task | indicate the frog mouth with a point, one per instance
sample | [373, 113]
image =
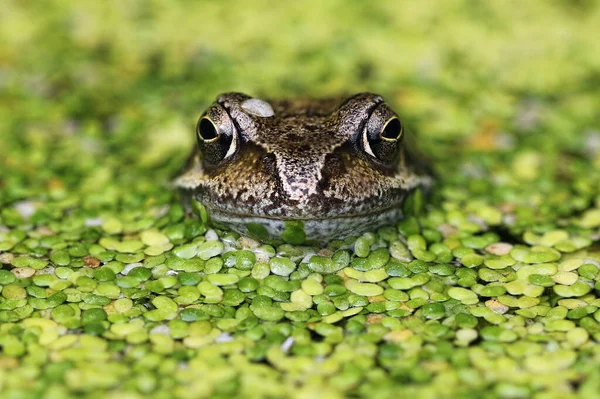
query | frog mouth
[318, 220]
[309, 212]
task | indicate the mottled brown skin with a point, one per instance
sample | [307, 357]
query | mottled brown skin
[338, 166]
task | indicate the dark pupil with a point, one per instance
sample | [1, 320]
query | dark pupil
[207, 130]
[392, 129]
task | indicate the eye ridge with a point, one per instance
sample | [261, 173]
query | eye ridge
[392, 130]
[207, 130]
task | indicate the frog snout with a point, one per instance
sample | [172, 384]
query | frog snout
[299, 178]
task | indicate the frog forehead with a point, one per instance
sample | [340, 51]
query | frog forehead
[297, 135]
[331, 120]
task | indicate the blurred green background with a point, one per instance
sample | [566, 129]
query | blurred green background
[151, 66]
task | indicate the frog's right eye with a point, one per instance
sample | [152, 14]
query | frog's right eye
[382, 135]
[216, 135]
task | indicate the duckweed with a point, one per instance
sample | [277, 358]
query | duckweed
[282, 266]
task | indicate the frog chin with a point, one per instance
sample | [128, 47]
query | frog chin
[316, 228]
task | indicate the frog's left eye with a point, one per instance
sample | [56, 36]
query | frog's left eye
[216, 135]
[382, 136]
[392, 130]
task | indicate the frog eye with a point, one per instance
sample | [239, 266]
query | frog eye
[392, 130]
[216, 136]
[207, 131]
[382, 136]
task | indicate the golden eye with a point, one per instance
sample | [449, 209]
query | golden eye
[392, 130]
[207, 131]
[382, 134]
[216, 135]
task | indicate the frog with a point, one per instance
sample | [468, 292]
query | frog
[328, 168]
